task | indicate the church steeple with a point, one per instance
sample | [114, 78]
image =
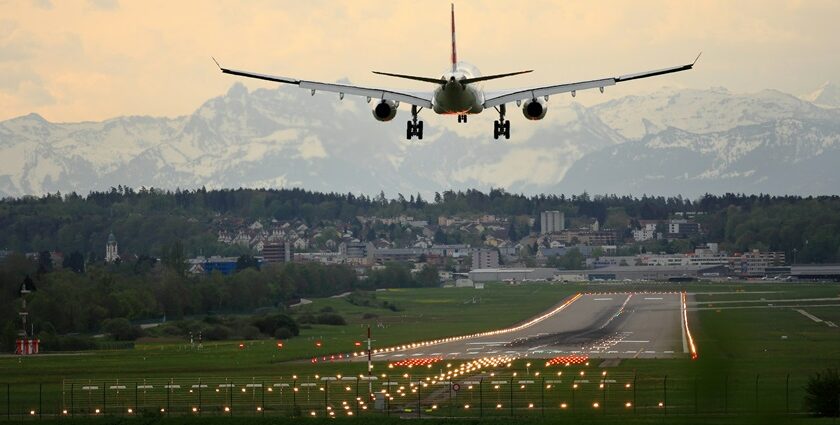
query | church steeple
[111, 249]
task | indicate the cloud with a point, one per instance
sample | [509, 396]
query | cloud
[151, 57]
[43, 4]
[104, 4]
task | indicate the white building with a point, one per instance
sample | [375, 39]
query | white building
[552, 221]
[646, 233]
[111, 250]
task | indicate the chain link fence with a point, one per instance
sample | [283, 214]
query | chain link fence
[499, 394]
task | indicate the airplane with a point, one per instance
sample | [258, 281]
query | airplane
[458, 92]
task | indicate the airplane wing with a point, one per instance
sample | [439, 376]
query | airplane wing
[536, 92]
[341, 89]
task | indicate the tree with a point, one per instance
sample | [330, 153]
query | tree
[7, 338]
[823, 393]
[440, 237]
[428, 277]
[75, 261]
[247, 261]
[174, 258]
[121, 329]
[45, 263]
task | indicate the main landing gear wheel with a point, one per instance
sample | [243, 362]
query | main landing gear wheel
[502, 126]
[414, 127]
[462, 118]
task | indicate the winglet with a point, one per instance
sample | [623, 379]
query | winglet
[696, 59]
[217, 63]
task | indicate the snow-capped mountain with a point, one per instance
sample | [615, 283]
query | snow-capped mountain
[795, 156]
[828, 95]
[669, 141]
[285, 137]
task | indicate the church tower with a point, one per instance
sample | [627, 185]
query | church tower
[111, 252]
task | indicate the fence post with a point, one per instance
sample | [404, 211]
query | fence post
[72, 400]
[357, 396]
[665, 395]
[168, 395]
[294, 398]
[787, 393]
[104, 401]
[450, 396]
[604, 395]
[726, 394]
[262, 407]
[511, 396]
[634, 393]
[200, 404]
[419, 386]
[756, 392]
[480, 398]
[230, 397]
[8, 402]
[40, 400]
[542, 397]
[695, 394]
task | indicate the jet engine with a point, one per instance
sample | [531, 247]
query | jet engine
[534, 109]
[385, 110]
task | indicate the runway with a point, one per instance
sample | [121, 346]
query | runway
[617, 325]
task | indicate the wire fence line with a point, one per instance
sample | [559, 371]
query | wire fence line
[401, 393]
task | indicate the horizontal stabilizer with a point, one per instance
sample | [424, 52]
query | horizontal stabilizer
[413, 77]
[493, 77]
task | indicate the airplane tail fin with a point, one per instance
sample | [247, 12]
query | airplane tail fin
[454, 52]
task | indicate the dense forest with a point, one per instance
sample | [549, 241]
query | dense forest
[104, 296]
[149, 220]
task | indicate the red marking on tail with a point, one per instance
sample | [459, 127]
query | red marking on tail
[454, 53]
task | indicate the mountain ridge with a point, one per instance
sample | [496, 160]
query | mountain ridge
[284, 137]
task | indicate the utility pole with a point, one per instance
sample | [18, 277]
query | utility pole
[370, 364]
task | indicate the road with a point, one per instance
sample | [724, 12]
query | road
[617, 325]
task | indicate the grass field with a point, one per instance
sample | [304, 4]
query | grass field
[752, 360]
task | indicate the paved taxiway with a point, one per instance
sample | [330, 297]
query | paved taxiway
[638, 325]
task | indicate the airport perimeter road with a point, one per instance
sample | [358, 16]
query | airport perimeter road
[638, 325]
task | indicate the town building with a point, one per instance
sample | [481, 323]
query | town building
[277, 252]
[682, 228]
[552, 222]
[485, 259]
[224, 265]
[588, 237]
[658, 273]
[512, 275]
[817, 272]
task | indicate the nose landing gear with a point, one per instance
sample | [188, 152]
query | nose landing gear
[414, 127]
[502, 126]
[462, 118]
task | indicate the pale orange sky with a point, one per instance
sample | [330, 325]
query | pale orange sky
[76, 60]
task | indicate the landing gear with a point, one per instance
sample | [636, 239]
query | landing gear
[502, 126]
[462, 118]
[414, 127]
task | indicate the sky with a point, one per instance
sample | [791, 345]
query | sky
[89, 60]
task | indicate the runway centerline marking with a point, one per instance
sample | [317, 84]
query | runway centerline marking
[602, 299]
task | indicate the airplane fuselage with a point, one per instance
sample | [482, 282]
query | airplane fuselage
[458, 92]
[454, 98]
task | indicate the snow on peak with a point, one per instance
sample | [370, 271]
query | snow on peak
[827, 95]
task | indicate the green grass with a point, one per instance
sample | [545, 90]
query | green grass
[736, 346]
